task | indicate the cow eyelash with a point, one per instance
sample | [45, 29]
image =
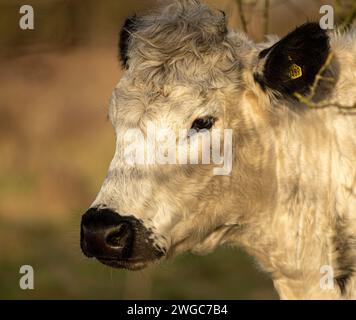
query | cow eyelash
[203, 124]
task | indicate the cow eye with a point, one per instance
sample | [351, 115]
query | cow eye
[203, 123]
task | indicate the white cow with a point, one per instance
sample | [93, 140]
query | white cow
[290, 199]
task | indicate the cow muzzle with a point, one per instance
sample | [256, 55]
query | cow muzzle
[117, 241]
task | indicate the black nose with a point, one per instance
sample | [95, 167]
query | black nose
[105, 234]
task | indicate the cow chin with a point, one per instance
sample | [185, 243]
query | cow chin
[126, 264]
[134, 263]
[142, 254]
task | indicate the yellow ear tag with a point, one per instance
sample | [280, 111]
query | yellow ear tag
[295, 71]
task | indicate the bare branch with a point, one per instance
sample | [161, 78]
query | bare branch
[323, 104]
[266, 16]
[350, 18]
[308, 100]
[242, 15]
[320, 77]
[345, 14]
[338, 7]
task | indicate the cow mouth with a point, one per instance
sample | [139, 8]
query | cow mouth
[130, 264]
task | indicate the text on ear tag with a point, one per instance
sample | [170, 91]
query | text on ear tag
[295, 71]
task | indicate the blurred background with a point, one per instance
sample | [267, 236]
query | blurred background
[56, 144]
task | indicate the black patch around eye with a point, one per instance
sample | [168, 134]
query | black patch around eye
[203, 123]
[130, 26]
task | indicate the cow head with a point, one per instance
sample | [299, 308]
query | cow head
[188, 80]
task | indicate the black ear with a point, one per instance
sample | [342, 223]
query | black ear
[129, 27]
[290, 66]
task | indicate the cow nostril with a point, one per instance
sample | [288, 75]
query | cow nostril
[118, 236]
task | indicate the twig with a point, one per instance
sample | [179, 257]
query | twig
[350, 18]
[308, 100]
[242, 15]
[320, 77]
[346, 16]
[323, 104]
[338, 7]
[266, 16]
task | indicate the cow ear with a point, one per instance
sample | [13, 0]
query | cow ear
[129, 27]
[291, 65]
